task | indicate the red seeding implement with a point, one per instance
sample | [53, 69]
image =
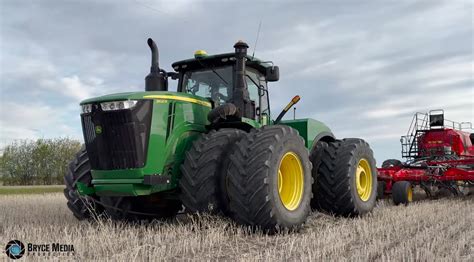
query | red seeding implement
[439, 157]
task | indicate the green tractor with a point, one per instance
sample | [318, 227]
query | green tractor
[212, 147]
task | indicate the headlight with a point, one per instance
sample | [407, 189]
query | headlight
[118, 105]
[86, 108]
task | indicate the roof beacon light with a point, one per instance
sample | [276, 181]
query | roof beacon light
[200, 54]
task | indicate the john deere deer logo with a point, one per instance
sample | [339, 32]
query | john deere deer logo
[98, 130]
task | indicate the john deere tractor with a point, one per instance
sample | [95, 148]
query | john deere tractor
[212, 147]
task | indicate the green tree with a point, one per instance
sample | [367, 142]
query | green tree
[40, 162]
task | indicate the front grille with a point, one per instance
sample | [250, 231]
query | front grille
[117, 139]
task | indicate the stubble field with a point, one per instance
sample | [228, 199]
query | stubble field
[427, 230]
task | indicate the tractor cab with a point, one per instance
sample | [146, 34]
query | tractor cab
[215, 77]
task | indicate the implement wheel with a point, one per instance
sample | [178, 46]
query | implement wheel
[79, 170]
[203, 187]
[269, 179]
[391, 163]
[402, 193]
[381, 189]
[346, 184]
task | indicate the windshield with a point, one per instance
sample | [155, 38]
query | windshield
[215, 83]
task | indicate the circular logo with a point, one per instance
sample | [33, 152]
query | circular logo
[15, 249]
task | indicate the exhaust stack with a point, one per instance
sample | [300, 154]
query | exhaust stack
[241, 98]
[156, 79]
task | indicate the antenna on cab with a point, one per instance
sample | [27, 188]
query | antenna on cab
[256, 39]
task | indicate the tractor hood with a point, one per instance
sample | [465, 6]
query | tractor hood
[161, 95]
[138, 150]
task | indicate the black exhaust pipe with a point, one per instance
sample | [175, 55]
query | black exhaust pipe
[240, 96]
[156, 79]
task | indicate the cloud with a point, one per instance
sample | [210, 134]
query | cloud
[33, 120]
[47, 78]
[72, 86]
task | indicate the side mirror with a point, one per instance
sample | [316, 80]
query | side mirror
[272, 74]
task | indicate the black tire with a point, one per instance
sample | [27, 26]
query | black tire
[79, 170]
[336, 190]
[402, 193]
[463, 188]
[134, 208]
[315, 157]
[391, 163]
[203, 186]
[381, 189]
[253, 179]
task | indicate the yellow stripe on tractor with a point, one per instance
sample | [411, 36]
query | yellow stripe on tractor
[180, 98]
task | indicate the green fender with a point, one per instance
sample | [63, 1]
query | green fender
[311, 130]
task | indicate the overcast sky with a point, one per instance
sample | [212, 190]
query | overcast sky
[363, 67]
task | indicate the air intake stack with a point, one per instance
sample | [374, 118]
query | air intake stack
[156, 79]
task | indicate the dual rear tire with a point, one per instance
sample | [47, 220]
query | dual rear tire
[270, 179]
[260, 179]
[346, 178]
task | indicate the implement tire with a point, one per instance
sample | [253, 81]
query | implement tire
[391, 163]
[347, 179]
[270, 180]
[402, 193]
[79, 170]
[203, 187]
[381, 189]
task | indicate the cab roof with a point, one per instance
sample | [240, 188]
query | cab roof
[217, 61]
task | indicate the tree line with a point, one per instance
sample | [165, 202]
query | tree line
[40, 162]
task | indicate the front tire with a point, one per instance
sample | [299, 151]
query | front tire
[203, 187]
[79, 170]
[270, 179]
[347, 179]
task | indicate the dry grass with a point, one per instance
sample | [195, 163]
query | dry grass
[433, 230]
[9, 190]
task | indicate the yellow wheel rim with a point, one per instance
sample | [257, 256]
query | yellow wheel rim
[410, 194]
[364, 180]
[290, 181]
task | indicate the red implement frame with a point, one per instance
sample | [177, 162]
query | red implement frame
[436, 154]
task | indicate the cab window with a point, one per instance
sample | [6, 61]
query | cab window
[215, 85]
[256, 85]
